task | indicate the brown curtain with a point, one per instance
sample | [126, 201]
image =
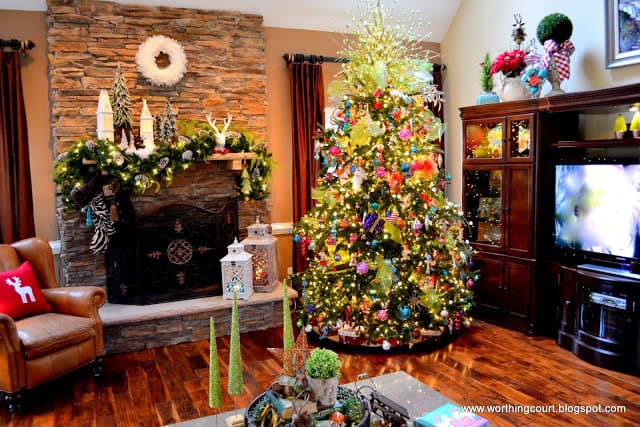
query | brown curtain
[307, 106]
[16, 204]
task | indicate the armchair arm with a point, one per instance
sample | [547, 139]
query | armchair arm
[82, 301]
[12, 367]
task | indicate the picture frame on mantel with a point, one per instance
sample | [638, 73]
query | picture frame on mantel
[622, 32]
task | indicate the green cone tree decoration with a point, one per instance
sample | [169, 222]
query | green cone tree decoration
[235, 358]
[287, 326]
[215, 387]
[121, 102]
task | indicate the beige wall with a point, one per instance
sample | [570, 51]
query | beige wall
[482, 25]
[32, 26]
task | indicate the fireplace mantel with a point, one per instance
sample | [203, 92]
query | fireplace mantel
[233, 161]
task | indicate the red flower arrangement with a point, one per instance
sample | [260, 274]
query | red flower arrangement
[509, 63]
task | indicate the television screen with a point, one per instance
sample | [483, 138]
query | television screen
[597, 208]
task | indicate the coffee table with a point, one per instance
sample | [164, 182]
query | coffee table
[398, 386]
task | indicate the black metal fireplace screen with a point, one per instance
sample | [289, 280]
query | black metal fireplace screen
[173, 254]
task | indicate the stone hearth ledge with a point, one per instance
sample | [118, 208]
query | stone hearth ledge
[136, 327]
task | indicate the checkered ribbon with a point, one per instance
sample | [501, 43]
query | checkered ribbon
[560, 53]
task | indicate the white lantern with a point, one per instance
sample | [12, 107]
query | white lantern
[262, 246]
[236, 272]
[146, 124]
[104, 117]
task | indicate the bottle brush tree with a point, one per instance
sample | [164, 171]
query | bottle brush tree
[486, 82]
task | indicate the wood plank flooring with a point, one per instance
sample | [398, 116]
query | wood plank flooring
[488, 365]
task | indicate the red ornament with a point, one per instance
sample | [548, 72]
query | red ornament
[377, 105]
[337, 417]
[395, 182]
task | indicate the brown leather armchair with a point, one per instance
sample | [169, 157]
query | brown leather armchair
[42, 347]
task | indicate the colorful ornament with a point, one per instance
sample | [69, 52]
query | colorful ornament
[403, 312]
[362, 268]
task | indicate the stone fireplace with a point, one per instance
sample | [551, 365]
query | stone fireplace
[206, 189]
[87, 40]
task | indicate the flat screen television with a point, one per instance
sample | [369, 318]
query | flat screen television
[597, 212]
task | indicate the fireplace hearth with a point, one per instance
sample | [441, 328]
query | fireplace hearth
[171, 254]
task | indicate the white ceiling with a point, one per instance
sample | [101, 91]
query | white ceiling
[319, 15]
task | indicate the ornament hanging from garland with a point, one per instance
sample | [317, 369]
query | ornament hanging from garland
[147, 57]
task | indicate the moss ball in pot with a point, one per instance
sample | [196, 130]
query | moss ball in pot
[556, 26]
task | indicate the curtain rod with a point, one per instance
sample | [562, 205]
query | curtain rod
[313, 59]
[16, 44]
[319, 59]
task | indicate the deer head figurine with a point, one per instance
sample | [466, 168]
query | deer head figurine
[220, 135]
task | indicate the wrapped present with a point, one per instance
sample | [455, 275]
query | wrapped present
[450, 415]
[349, 335]
[373, 223]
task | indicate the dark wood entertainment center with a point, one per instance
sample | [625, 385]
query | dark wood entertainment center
[508, 185]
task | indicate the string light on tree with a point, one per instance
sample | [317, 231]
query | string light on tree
[384, 245]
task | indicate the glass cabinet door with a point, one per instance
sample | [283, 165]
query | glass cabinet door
[484, 139]
[483, 201]
[520, 135]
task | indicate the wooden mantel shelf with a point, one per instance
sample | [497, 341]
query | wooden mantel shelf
[566, 102]
[234, 160]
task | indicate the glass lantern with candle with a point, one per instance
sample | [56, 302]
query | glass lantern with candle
[262, 246]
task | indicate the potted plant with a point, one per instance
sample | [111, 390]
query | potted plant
[619, 126]
[323, 369]
[635, 125]
[488, 96]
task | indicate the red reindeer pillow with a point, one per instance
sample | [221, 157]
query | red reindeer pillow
[20, 295]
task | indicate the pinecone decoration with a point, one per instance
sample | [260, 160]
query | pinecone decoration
[518, 34]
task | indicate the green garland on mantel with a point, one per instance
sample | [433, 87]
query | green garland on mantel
[87, 158]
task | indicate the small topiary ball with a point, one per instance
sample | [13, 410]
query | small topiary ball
[556, 26]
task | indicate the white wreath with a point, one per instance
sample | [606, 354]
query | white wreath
[148, 53]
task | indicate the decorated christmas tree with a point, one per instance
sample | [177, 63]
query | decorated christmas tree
[388, 264]
[121, 102]
[157, 127]
[168, 130]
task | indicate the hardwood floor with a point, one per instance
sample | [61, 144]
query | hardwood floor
[488, 365]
